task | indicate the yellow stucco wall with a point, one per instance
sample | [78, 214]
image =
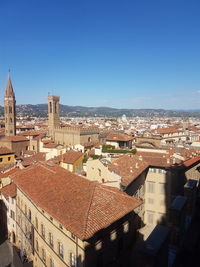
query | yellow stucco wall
[7, 159]
[75, 167]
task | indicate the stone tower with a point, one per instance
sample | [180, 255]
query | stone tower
[53, 113]
[9, 109]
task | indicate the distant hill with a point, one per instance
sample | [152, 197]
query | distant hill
[40, 110]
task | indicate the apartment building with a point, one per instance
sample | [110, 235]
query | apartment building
[66, 220]
[8, 197]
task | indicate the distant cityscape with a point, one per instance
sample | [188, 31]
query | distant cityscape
[97, 190]
[40, 110]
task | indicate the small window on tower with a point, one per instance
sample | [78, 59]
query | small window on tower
[10, 109]
[55, 108]
[50, 107]
[10, 119]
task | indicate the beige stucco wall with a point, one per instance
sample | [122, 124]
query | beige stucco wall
[96, 171]
[156, 202]
[60, 234]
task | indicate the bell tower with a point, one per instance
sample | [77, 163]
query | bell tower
[9, 109]
[53, 113]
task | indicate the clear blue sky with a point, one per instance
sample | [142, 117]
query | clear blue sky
[125, 54]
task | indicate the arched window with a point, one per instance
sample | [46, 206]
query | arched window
[55, 107]
[50, 107]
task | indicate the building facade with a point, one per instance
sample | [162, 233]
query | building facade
[67, 135]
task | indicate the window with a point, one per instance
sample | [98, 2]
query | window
[73, 236]
[18, 201]
[43, 230]
[25, 210]
[51, 239]
[12, 214]
[55, 107]
[72, 260]
[36, 222]
[10, 109]
[150, 187]
[60, 249]
[1, 159]
[26, 147]
[29, 214]
[99, 172]
[51, 263]
[10, 119]
[9, 158]
[161, 188]
[19, 220]
[50, 107]
[150, 217]
[43, 255]
[36, 245]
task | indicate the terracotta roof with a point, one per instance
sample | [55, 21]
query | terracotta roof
[50, 145]
[70, 156]
[30, 133]
[9, 190]
[8, 172]
[89, 144]
[129, 167]
[156, 159]
[25, 126]
[16, 138]
[27, 161]
[46, 141]
[118, 137]
[191, 161]
[82, 206]
[169, 130]
[5, 150]
[38, 137]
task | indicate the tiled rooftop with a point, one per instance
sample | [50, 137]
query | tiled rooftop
[83, 207]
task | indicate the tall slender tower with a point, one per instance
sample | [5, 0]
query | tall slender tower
[9, 109]
[53, 113]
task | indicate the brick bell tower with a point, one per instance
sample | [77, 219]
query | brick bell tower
[9, 109]
[53, 114]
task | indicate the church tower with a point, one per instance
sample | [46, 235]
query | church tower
[53, 113]
[9, 109]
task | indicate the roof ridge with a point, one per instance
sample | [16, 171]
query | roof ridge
[87, 212]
